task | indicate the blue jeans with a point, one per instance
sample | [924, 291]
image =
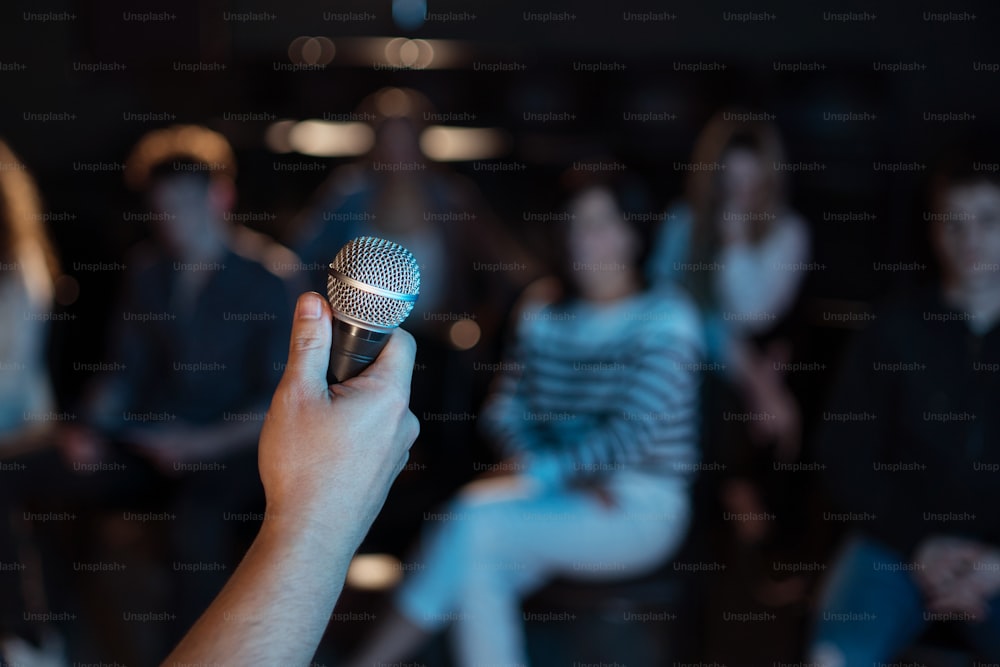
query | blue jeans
[504, 537]
[872, 610]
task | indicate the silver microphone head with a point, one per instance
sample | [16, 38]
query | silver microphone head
[373, 283]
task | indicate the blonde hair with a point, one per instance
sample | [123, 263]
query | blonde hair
[23, 238]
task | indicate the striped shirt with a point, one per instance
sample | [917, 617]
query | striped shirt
[592, 389]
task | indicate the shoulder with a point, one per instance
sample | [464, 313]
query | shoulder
[668, 312]
[261, 257]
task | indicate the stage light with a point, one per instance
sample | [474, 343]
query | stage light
[374, 572]
[464, 334]
[409, 14]
[331, 139]
[452, 144]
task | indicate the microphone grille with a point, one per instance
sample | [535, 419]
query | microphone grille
[373, 282]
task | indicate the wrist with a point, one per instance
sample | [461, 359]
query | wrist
[324, 530]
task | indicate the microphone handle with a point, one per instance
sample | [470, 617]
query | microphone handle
[354, 349]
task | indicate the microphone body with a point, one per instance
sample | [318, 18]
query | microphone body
[354, 350]
[372, 285]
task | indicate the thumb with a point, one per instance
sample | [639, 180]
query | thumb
[309, 351]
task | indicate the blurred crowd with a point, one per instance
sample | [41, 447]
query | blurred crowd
[625, 398]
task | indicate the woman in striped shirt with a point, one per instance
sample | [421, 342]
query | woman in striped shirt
[596, 414]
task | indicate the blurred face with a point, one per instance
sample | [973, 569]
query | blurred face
[744, 178]
[968, 240]
[190, 214]
[602, 247]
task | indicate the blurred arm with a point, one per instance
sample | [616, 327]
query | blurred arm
[24, 385]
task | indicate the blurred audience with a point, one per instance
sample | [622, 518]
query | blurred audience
[471, 272]
[596, 414]
[737, 244]
[28, 269]
[910, 440]
[169, 430]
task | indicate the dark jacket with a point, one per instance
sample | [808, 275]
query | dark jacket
[911, 439]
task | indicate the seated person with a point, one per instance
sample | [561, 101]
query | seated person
[598, 417]
[198, 345]
[912, 445]
[26, 398]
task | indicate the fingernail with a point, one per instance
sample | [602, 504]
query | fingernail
[309, 307]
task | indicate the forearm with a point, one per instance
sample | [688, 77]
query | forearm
[278, 602]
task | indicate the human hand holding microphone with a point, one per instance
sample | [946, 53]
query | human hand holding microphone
[328, 455]
[324, 441]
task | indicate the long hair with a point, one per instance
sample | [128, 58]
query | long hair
[22, 229]
[728, 130]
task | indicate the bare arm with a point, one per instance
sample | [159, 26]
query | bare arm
[328, 455]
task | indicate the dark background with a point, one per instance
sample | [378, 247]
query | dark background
[86, 208]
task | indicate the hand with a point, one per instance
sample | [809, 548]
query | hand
[942, 560]
[767, 394]
[970, 592]
[984, 576]
[960, 598]
[329, 453]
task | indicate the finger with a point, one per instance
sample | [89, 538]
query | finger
[309, 351]
[394, 365]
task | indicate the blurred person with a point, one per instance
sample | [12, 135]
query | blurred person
[198, 373]
[471, 272]
[912, 447]
[742, 250]
[328, 454]
[28, 269]
[596, 415]
[195, 355]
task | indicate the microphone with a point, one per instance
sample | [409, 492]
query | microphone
[372, 285]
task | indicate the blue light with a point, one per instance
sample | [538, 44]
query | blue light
[409, 14]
